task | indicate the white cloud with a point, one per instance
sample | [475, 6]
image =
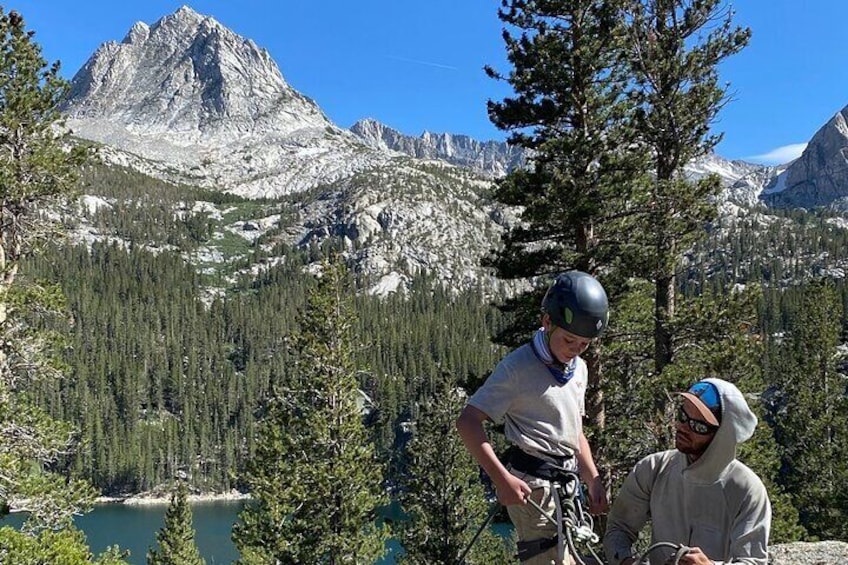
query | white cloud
[780, 155]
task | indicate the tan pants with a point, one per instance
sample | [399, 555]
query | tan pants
[531, 525]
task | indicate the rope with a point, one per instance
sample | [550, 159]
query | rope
[541, 510]
[680, 551]
[570, 527]
[492, 511]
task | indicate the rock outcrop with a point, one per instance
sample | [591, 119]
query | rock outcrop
[807, 553]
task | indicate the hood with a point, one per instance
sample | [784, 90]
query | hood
[738, 423]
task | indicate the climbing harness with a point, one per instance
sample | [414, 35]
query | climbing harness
[572, 522]
[574, 525]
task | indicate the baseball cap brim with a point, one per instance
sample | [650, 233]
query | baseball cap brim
[705, 413]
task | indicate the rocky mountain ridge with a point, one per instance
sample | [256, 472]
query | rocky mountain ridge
[213, 108]
[743, 181]
[188, 101]
[492, 159]
[819, 177]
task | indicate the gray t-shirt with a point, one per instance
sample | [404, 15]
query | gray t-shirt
[539, 415]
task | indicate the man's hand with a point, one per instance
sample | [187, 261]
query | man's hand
[695, 557]
[511, 490]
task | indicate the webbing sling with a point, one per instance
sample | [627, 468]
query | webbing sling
[532, 548]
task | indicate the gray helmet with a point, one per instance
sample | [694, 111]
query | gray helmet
[577, 303]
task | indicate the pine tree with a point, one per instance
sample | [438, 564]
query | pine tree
[441, 491]
[36, 170]
[60, 547]
[570, 110]
[675, 47]
[583, 191]
[175, 541]
[808, 407]
[315, 481]
[35, 167]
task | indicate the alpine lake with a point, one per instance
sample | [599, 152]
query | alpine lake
[133, 528]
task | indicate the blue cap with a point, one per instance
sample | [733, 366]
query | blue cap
[705, 398]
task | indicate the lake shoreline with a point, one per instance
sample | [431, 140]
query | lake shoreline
[153, 499]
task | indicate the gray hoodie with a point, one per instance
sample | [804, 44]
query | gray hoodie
[716, 503]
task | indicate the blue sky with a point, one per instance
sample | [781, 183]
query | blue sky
[417, 66]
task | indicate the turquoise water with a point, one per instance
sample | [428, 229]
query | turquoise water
[134, 527]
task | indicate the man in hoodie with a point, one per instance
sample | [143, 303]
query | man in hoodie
[698, 497]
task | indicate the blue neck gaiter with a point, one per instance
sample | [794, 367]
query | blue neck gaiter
[561, 373]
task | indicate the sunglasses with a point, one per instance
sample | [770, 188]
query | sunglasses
[698, 426]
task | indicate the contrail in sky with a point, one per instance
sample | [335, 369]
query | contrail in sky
[425, 63]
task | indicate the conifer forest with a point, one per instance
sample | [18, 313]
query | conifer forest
[130, 363]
